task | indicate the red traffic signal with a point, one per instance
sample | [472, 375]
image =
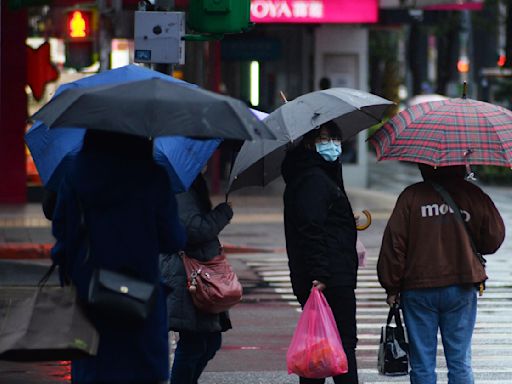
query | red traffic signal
[79, 24]
[502, 59]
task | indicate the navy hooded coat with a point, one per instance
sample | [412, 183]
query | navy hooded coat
[131, 216]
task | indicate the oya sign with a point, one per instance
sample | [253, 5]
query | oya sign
[314, 11]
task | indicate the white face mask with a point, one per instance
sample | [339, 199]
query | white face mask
[329, 151]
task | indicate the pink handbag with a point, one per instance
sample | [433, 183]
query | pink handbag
[213, 285]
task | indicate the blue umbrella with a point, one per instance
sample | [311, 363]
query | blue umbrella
[52, 149]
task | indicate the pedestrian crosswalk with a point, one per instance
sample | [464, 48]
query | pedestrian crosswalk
[492, 340]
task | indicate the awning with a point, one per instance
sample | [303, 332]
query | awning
[475, 5]
[434, 5]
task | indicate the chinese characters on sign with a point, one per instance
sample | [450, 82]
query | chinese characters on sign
[281, 9]
[314, 11]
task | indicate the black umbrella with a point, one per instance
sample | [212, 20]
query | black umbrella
[152, 108]
[259, 163]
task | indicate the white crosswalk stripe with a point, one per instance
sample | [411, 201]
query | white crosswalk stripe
[492, 340]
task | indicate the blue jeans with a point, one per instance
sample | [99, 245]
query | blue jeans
[450, 309]
[193, 352]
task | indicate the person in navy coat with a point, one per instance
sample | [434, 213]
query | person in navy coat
[130, 217]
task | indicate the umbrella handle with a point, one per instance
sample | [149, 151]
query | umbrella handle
[227, 196]
[368, 221]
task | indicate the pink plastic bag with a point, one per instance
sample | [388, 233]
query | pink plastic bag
[361, 253]
[315, 350]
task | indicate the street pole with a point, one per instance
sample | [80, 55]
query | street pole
[466, 50]
[105, 35]
[13, 104]
[215, 76]
[508, 33]
[164, 6]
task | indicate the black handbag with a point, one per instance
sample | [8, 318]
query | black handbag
[114, 295]
[119, 296]
[393, 358]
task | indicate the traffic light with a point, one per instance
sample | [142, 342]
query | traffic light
[79, 24]
[502, 59]
[79, 39]
[219, 16]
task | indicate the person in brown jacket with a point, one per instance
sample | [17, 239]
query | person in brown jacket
[427, 264]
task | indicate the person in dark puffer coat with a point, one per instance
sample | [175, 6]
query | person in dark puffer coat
[321, 234]
[199, 333]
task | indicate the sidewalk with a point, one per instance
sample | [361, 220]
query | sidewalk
[26, 234]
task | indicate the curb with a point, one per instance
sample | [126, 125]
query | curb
[17, 251]
[232, 248]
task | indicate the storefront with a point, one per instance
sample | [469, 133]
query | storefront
[295, 46]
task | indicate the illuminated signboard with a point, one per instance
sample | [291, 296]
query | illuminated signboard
[314, 11]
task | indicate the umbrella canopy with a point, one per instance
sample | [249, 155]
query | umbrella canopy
[153, 107]
[52, 149]
[352, 110]
[451, 132]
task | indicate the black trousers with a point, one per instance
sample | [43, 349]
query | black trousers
[342, 301]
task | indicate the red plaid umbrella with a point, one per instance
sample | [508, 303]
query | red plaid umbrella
[449, 132]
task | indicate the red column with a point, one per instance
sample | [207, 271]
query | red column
[13, 104]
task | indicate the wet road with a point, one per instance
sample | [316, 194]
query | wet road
[254, 351]
[261, 347]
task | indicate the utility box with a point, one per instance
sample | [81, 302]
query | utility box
[219, 16]
[158, 37]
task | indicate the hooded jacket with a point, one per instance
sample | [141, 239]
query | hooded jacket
[131, 216]
[319, 223]
[424, 244]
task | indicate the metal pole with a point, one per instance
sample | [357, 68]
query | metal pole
[215, 80]
[164, 6]
[105, 35]
[466, 48]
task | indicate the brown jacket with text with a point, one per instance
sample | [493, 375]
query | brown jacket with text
[426, 246]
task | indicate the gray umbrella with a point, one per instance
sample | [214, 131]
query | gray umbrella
[151, 108]
[259, 163]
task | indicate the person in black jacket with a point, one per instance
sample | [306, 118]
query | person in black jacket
[321, 234]
[199, 333]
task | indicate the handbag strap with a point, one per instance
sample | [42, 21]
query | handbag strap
[84, 228]
[394, 312]
[456, 211]
[46, 276]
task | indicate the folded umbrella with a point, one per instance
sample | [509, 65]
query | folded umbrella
[258, 163]
[457, 131]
